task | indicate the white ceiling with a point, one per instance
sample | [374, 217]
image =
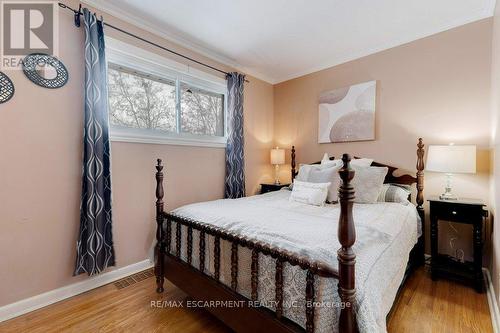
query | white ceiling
[276, 40]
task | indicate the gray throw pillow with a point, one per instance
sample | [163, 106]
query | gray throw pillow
[395, 193]
[368, 183]
[320, 174]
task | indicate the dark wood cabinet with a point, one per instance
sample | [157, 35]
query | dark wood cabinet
[264, 188]
[468, 211]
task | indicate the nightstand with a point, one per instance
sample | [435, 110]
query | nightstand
[264, 188]
[468, 211]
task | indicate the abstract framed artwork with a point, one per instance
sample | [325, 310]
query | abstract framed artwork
[347, 114]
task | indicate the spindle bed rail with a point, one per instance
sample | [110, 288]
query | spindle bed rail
[240, 316]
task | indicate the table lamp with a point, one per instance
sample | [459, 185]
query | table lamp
[451, 159]
[277, 158]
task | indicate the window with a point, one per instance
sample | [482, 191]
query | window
[140, 101]
[151, 102]
[202, 112]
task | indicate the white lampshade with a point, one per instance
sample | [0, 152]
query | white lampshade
[277, 156]
[452, 159]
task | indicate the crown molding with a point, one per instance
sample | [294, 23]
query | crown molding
[161, 32]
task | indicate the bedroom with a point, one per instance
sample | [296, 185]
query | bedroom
[431, 71]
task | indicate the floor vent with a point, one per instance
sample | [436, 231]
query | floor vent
[132, 279]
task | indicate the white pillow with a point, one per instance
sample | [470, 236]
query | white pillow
[364, 162]
[305, 170]
[317, 174]
[327, 162]
[303, 173]
[368, 183]
[309, 193]
[395, 193]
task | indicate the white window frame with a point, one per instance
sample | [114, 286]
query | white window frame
[134, 58]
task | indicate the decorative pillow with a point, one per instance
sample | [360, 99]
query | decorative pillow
[363, 162]
[327, 162]
[309, 193]
[395, 193]
[303, 173]
[368, 183]
[304, 170]
[317, 174]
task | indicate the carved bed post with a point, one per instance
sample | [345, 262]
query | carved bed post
[420, 177]
[420, 198]
[293, 163]
[160, 239]
[347, 259]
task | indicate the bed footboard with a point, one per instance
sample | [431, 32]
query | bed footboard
[181, 272]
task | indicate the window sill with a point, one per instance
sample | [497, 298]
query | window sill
[184, 140]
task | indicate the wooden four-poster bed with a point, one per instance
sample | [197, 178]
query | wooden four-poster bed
[189, 271]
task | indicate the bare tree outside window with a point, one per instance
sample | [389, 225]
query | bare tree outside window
[202, 112]
[140, 102]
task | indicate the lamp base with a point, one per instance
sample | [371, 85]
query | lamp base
[448, 196]
[276, 174]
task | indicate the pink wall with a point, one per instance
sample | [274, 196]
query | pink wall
[437, 88]
[495, 128]
[40, 170]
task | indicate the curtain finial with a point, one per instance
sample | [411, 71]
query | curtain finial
[77, 16]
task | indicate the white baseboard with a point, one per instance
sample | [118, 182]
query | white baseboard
[492, 301]
[39, 301]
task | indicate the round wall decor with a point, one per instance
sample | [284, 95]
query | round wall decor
[6, 88]
[45, 70]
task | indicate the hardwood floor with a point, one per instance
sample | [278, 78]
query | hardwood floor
[439, 306]
[424, 306]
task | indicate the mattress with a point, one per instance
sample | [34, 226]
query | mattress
[386, 233]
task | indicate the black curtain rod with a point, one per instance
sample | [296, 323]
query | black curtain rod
[79, 12]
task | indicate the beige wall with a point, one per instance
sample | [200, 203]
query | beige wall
[495, 128]
[436, 88]
[40, 170]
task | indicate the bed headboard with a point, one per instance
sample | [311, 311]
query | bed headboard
[391, 177]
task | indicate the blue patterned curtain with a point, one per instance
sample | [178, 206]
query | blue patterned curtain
[95, 249]
[235, 162]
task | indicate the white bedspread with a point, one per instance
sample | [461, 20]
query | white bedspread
[385, 234]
